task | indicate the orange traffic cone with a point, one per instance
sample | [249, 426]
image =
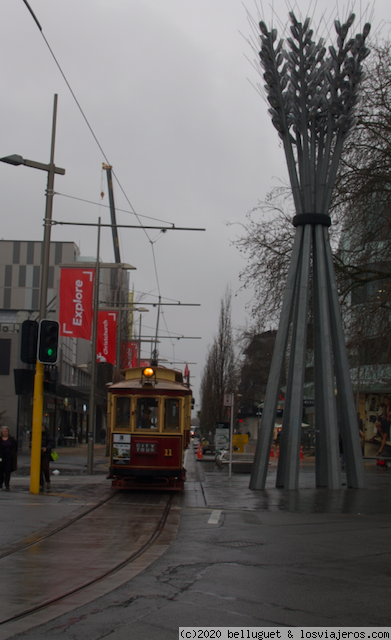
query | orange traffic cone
[199, 451]
[301, 452]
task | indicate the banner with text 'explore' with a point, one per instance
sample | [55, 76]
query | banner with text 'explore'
[76, 293]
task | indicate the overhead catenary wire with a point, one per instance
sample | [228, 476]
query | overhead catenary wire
[106, 206]
[133, 211]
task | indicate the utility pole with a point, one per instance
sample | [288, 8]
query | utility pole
[91, 425]
[36, 440]
[51, 169]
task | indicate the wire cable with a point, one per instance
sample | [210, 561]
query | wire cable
[133, 211]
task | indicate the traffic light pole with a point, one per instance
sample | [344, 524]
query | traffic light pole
[36, 441]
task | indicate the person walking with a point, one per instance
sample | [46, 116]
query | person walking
[8, 452]
[47, 447]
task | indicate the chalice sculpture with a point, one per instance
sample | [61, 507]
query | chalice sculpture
[312, 95]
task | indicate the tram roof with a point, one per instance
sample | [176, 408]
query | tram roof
[158, 385]
[163, 379]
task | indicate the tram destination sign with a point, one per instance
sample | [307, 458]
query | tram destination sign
[146, 447]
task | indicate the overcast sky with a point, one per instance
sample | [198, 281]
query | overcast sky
[166, 86]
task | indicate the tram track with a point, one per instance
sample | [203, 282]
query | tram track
[142, 546]
[21, 546]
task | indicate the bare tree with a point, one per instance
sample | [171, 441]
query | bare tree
[219, 374]
[267, 245]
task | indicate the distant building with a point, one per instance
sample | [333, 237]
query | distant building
[368, 326]
[66, 399]
[253, 381]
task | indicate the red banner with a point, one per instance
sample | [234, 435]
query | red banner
[76, 292]
[129, 354]
[106, 338]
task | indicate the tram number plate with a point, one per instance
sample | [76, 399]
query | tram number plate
[145, 447]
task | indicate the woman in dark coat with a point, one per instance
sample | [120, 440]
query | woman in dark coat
[8, 452]
[47, 447]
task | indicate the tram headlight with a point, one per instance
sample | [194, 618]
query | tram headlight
[148, 372]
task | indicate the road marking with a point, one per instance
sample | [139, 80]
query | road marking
[214, 517]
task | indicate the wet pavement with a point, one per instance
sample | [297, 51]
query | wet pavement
[311, 557]
[23, 513]
[222, 492]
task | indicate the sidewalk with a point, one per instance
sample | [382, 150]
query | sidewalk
[71, 459]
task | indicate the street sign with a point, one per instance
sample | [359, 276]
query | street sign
[228, 399]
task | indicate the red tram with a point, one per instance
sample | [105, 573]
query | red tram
[149, 428]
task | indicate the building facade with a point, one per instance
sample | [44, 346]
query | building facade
[67, 385]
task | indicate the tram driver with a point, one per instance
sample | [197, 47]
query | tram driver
[147, 412]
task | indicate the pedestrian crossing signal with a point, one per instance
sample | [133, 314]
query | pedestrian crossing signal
[48, 341]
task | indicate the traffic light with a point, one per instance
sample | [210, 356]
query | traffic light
[28, 342]
[48, 341]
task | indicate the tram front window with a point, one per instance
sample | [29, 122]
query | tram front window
[171, 414]
[147, 413]
[123, 413]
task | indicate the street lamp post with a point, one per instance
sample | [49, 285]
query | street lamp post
[51, 169]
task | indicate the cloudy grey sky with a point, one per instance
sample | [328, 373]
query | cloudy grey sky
[166, 87]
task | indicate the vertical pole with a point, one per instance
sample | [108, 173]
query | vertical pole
[324, 358]
[355, 473]
[284, 440]
[155, 354]
[139, 341]
[265, 431]
[36, 437]
[294, 393]
[119, 316]
[320, 427]
[231, 433]
[91, 426]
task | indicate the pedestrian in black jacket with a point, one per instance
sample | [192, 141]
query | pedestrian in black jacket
[8, 453]
[47, 447]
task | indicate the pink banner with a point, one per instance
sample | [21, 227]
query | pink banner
[129, 354]
[106, 336]
[76, 292]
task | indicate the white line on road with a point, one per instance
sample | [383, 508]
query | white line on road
[214, 517]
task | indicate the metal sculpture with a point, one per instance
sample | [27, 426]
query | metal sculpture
[312, 97]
